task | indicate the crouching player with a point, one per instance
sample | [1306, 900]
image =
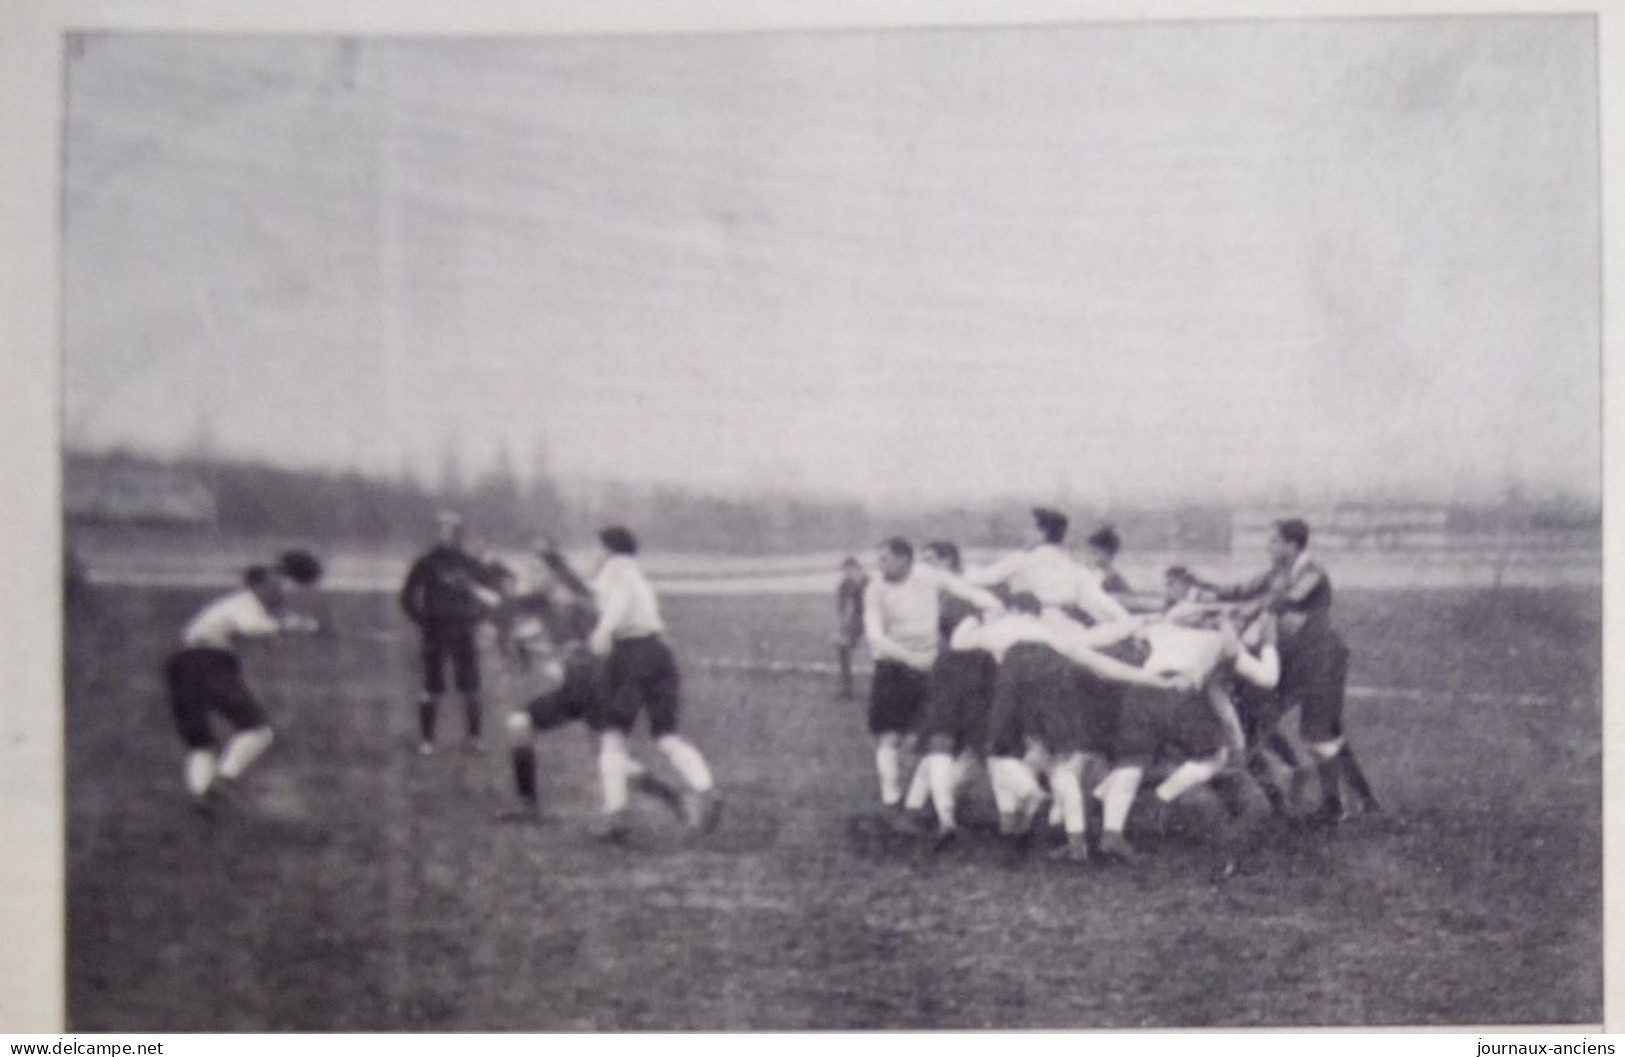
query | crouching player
[1197, 721]
[958, 700]
[205, 675]
[1043, 712]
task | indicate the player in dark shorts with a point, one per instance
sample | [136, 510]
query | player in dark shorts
[205, 676]
[1196, 723]
[1040, 718]
[555, 640]
[848, 621]
[446, 595]
[1314, 662]
[953, 732]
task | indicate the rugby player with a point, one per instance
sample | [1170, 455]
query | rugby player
[640, 676]
[1198, 720]
[1038, 703]
[555, 637]
[1314, 661]
[849, 620]
[958, 699]
[902, 617]
[205, 676]
[446, 597]
[1045, 570]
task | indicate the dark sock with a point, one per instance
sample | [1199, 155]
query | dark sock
[1331, 772]
[1260, 770]
[846, 671]
[1356, 777]
[1231, 793]
[1281, 746]
[524, 772]
[428, 708]
[475, 714]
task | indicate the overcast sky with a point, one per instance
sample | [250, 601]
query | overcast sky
[1121, 263]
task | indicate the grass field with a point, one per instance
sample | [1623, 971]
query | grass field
[361, 887]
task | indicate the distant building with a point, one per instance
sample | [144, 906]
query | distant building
[1348, 527]
[127, 491]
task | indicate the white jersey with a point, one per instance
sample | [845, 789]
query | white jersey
[1049, 574]
[627, 606]
[223, 622]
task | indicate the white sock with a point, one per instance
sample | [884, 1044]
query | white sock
[199, 771]
[1020, 787]
[939, 770]
[243, 749]
[919, 787]
[613, 767]
[1119, 788]
[889, 767]
[1187, 776]
[688, 762]
[1004, 798]
[1063, 782]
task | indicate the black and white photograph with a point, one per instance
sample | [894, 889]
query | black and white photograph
[1052, 524]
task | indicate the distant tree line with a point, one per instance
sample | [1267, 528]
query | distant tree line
[257, 500]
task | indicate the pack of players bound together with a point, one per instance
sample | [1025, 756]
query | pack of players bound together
[1047, 670]
[1071, 689]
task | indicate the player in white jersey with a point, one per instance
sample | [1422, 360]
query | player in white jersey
[1200, 722]
[1040, 717]
[1047, 572]
[902, 614]
[640, 675]
[205, 675]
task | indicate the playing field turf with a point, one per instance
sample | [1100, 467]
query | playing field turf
[361, 887]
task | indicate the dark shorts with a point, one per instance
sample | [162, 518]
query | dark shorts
[1314, 675]
[897, 698]
[454, 643]
[1155, 720]
[960, 698]
[575, 700]
[203, 681]
[639, 676]
[1259, 710]
[1040, 696]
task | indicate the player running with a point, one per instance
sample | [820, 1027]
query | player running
[205, 675]
[640, 676]
[553, 638]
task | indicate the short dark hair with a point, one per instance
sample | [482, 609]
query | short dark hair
[948, 551]
[1293, 530]
[300, 566]
[1106, 538]
[1178, 572]
[1052, 523]
[1026, 602]
[255, 575]
[850, 562]
[899, 546]
[618, 539]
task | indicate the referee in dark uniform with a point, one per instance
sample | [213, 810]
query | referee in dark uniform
[445, 596]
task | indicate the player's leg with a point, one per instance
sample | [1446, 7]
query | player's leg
[1066, 782]
[465, 662]
[890, 719]
[1135, 745]
[614, 773]
[522, 749]
[661, 689]
[1321, 725]
[434, 684]
[233, 700]
[1353, 773]
[843, 657]
[188, 698]
[939, 767]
